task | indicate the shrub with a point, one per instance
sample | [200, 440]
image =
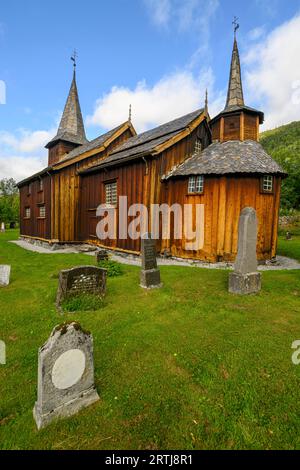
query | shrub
[113, 268]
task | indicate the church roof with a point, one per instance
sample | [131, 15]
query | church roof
[228, 158]
[147, 142]
[71, 127]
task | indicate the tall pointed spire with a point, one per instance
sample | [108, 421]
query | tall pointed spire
[71, 127]
[235, 96]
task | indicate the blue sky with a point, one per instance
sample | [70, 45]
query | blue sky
[160, 55]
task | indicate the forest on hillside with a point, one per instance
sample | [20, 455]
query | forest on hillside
[283, 144]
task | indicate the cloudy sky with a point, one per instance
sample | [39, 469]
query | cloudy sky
[158, 55]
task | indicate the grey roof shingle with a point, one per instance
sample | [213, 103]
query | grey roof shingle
[146, 142]
[93, 144]
[227, 158]
[71, 128]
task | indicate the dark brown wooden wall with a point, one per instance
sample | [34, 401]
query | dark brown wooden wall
[224, 198]
[35, 226]
[140, 181]
[58, 150]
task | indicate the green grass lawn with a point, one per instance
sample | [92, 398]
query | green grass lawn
[185, 367]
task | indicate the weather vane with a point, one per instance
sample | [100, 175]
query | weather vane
[74, 57]
[236, 25]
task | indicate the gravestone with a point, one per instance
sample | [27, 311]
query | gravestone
[101, 255]
[246, 279]
[2, 229]
[81, 280]
[65, 374]
[150, 274]
[288, 236]
[4, 275]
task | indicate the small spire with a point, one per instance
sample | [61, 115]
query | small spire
[206, 102]
[130, 113]
[235, 96]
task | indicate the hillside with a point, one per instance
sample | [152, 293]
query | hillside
[283, 144]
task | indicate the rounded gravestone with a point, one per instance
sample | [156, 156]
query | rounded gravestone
[68, 369]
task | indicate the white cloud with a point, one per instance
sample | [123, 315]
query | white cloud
[20, 167]
[256, 33]
[273, 74]
[171, 97]
[160, 11]
[22, 153]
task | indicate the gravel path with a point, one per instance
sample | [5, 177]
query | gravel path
[282, 263]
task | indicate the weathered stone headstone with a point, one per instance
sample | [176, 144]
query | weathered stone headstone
[81, 280]
[288, 236]
[2, 227]
[150, 274]
[65, 374]
[101, 255]
[4, 275]
[246, 279]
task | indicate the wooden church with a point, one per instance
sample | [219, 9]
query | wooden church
[191, 160]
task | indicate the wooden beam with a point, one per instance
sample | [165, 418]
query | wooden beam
[242, 126]
[222, 129]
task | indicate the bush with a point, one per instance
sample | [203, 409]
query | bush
[113, 268]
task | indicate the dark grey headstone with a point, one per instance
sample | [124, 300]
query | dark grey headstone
[150, 274]
[101, 255]
[81, 280]
[65, 374]
[245, 279]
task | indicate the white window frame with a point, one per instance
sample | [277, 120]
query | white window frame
[111, 193]
[42, 208]
[198, 146]
[27, 213]
[196, 184]
[268, 184]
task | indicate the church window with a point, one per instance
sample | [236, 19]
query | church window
[27, 213]
[111, 193]
[198, 146]
[42, 212]
[267, 184]
[196, 184]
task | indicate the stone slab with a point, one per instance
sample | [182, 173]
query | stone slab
[4, 275]
[244, 284]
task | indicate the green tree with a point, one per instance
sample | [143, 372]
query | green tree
[9, 201]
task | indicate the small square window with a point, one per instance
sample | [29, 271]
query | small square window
[111, 193]
[42, 212]
[196, 184]
[198, 146]
[27, 213]
[267, 184]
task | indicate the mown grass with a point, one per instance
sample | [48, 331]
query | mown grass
[185, 367]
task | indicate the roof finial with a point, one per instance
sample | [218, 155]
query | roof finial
[130, 113]
[206, 101]
[73, 58]
[236, 25]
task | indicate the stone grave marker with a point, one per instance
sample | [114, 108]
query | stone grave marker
[101, 255]
[150, 274]
[2, 227]
[246, 279]
[4, 275]
[65, 374]
[81, 280]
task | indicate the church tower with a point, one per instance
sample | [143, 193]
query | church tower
[71, 131]
[237, 121]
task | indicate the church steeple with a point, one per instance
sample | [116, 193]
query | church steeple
[71, 131]
[235, 95]
[237, 121]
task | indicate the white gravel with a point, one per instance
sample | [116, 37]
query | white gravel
[282, 262]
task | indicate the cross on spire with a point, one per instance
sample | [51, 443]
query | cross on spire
[235, 25]
[73, 58]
